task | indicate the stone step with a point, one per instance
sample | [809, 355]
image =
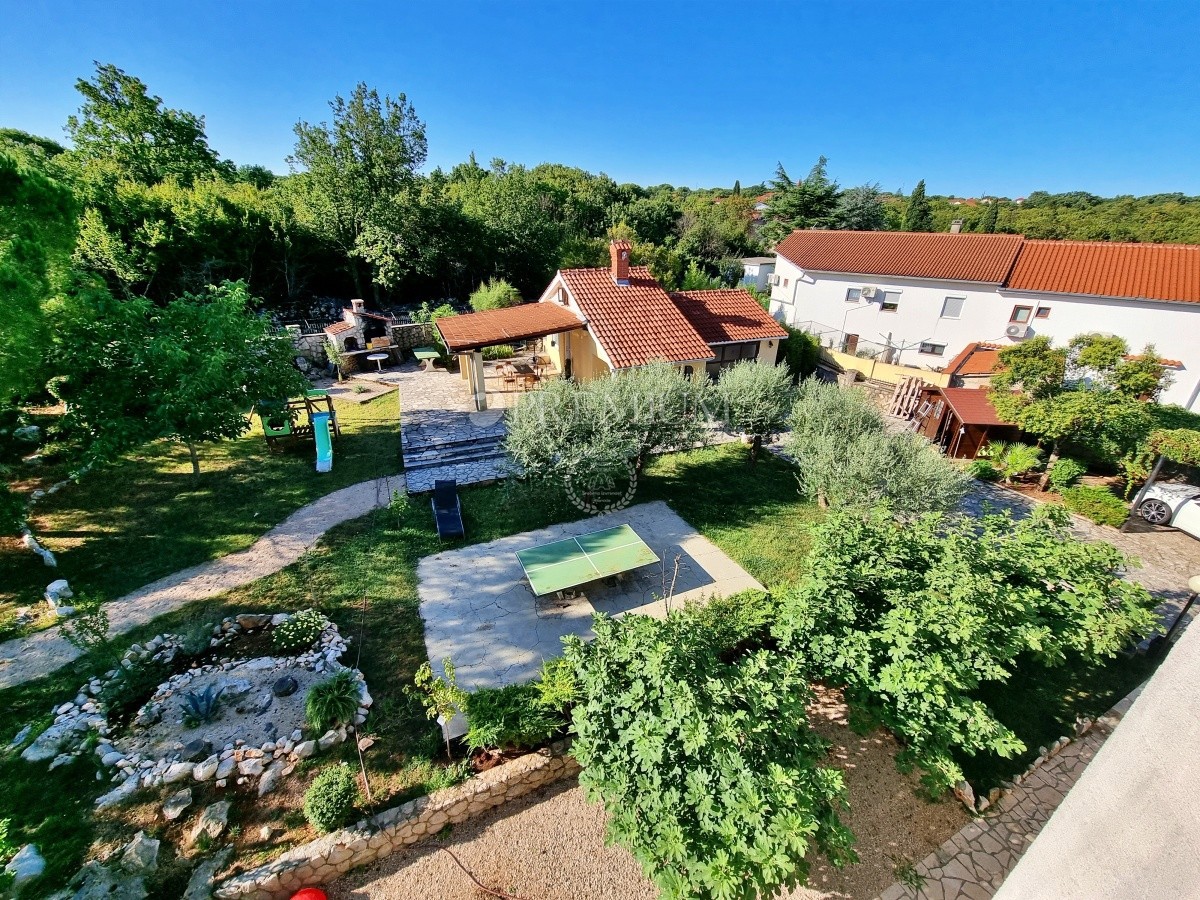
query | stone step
[434, 460]
[412, 442]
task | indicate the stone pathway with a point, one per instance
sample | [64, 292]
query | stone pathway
[441, 434]
[479, 611]
[24, 659]
[973, 864]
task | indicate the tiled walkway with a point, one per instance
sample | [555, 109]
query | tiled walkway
[974, 862]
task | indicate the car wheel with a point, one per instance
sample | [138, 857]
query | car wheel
[1155, 512]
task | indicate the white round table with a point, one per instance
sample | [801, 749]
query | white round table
[378, 358]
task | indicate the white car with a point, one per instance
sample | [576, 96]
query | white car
[1177, 505]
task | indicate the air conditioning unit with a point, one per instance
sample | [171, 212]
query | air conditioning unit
[868, 292]
[1017, 332]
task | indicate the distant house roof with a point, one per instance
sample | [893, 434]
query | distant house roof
[500, 326]
[972, 406]
[984, 258]
[635, 323]
[758, 260]
[978, 358]
[727, 316]
[1103, 269]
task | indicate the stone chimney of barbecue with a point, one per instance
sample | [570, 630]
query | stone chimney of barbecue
[619, 252]
[956, 226]
[357, 306]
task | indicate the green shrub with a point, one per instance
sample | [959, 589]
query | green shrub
[1099, 504]
[332, 702]
[1065, 473]
[983, 470]
[132, 687]
[509, 717]
[299, 632]
[495, 293]
[557, 688]
[705, 763]
[800, 352]
[330, 799]
[1012, 459]
[499, 351]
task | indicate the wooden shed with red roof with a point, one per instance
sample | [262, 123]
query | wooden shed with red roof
[962, 420]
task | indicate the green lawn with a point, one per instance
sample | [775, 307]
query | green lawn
[363, 575]
[147, 516]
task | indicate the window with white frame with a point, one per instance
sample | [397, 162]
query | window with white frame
[932, 349]
[853, 295]
[891, 301]
[952, 307]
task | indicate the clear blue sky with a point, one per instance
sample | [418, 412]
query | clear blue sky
[1002, 98]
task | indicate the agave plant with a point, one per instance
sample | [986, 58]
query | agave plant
[201, 706]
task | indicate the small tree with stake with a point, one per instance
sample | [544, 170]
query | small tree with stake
[755, 400]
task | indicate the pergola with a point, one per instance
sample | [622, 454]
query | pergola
[468, 334]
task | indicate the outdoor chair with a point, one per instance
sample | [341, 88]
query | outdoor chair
[447, 510]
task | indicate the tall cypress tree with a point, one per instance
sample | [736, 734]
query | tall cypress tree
[990, 217]
[918, 215]
[737, 188]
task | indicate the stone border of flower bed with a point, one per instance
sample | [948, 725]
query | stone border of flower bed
[332, 856]
[66, 738]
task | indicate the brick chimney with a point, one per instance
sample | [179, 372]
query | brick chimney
[956, 226]
[619, 252]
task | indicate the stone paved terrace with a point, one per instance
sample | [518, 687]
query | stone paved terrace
[479, 610]
[973, 864]
[441, 434]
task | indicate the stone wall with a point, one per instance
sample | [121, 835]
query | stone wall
[323, 860]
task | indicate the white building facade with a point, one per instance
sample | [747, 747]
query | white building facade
[925, 322]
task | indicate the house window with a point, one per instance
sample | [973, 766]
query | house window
[932, 349]
[785, 282]
[952, 307]
[853, 295]
[1043, 312]
[891, 301]
[1021, 314]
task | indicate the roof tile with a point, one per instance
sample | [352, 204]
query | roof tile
[635, 323]
[727, 315]
[1103, 269]
[954, 257]
[498, 326]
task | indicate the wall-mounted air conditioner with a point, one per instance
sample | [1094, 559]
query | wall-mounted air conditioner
[868, 292]
[1017, 332]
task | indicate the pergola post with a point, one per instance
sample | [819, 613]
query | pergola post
[478, 385]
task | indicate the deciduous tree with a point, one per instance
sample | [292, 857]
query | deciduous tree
[755, 400]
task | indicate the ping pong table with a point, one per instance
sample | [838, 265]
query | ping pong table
[569, 563]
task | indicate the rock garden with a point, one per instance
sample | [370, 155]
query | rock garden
[234, 708]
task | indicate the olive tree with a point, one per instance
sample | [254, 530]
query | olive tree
[755, 400]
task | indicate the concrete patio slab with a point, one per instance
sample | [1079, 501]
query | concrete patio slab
[479, 611]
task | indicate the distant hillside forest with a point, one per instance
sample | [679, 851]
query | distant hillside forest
[138, 204]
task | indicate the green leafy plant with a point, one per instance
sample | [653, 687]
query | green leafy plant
[983, 470]
[132, 686]
[913, 618]
[1099, 504]
[1012, 460]
[1064, 473]
[87, 631]
[509, 717]
[557, 688]
[299, 632]
[332, 702]
[703, 758]
[8, 849]
[755, 400]
[499, 351]
[200, 707]
[330, 799]
[442, 697]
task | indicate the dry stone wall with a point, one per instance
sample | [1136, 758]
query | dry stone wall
[323, 860]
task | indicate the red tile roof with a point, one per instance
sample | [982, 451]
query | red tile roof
[978, 358]
[972, 406]
[635, 323]
[500, 326]
[985, 258]
[338, 327]
[727, 315]
[1099, 268]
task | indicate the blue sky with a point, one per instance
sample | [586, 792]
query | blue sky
[1001, 98]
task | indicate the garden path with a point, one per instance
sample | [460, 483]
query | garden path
[39, 654]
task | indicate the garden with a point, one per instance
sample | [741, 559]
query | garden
[948, 674]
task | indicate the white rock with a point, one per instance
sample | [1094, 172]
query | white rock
[176, 804]
[58, 590]
[252, 766]
[112, 758]
[119, 794]
[177, 772]
[26, 865]
[330, 739]
[211, 822]
[207, 769]
[225, 769]
[270, 779]
[141, 855]
[305, 749]
[61, 760]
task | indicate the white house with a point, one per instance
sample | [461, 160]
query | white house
[757, 271]
[920, 299]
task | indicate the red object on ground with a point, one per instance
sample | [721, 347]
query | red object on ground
[309, 894]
